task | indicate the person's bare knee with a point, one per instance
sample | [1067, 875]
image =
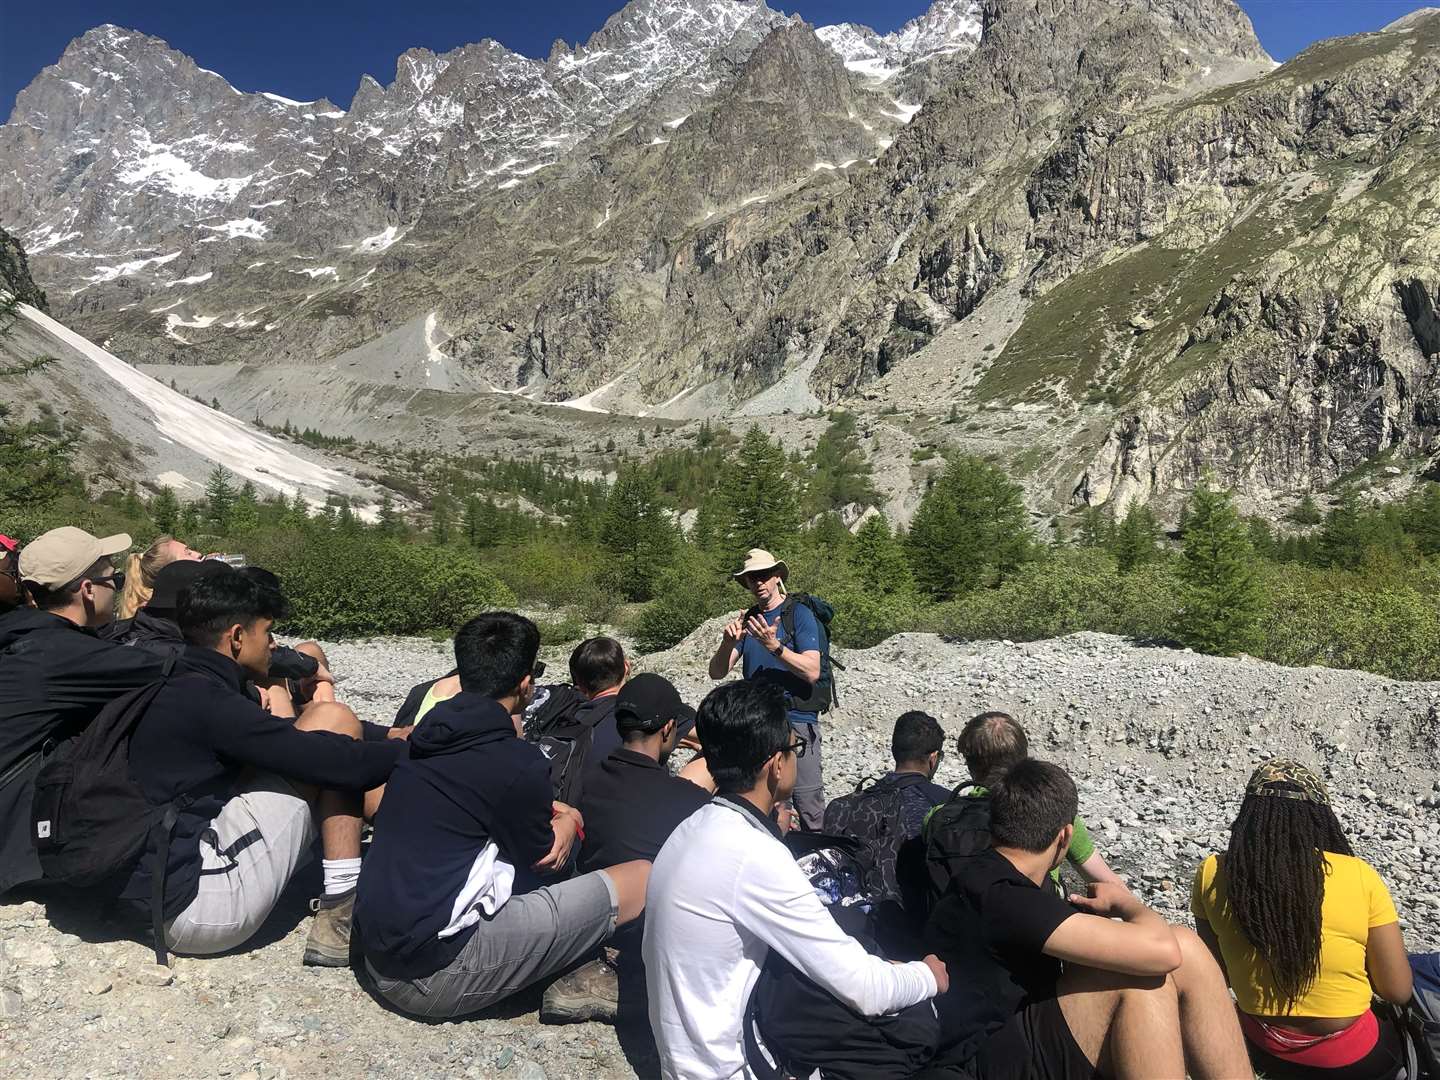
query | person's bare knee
[313, 650]
[629, 880]
[330, 716]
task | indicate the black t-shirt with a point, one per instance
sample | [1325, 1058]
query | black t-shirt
[990, 929]
[631, 805]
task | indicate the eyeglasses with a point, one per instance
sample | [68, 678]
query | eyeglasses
[797, 748]
[538, 670]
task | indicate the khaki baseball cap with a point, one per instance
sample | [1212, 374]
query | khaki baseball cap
[61, 555]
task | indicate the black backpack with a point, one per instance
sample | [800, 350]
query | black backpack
[555, 726]
[881, 815]
[90, 820]
[957, 829]
[823, 695]
[794, 1028]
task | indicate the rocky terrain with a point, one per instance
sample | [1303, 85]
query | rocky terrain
[1160, 741]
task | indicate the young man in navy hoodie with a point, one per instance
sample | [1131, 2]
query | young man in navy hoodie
[454, 911]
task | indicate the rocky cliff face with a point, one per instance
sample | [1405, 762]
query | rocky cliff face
[15, 276]
[1109, 232]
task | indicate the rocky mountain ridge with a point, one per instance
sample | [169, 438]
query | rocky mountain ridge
[1114, 237]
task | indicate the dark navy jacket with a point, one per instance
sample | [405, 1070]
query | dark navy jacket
[468, 780]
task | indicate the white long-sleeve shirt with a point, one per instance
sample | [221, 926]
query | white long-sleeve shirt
[723, 892]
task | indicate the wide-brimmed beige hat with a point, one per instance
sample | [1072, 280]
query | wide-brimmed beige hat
[760, 559]
[61, 555]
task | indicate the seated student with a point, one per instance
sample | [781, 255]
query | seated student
[56, 674]
[631, 805]
[12, 593]
[143, 568]
[1062, 987]
[917, 746]
[725, 891]
[454, 912]
[1306, 933]
[262, 787]
[153, 627]
[990, 744]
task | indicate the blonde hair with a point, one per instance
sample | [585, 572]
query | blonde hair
[140, 571]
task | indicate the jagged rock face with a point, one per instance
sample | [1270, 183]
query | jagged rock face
[1198, 262]
[15, 276]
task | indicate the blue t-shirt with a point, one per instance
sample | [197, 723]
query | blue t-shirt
[760, 663]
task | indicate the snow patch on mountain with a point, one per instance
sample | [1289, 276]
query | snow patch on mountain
[949, 26]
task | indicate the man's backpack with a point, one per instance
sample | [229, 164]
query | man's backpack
[881, 815]
[90, 820]
[794, 1028]
[956, 830]
[823, 695]
[556, 726]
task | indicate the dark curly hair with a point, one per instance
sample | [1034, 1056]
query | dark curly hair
[1275, 879]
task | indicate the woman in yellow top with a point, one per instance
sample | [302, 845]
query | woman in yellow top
[1305, 932]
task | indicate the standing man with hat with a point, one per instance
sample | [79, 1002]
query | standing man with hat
[56, 673]
[770, 652]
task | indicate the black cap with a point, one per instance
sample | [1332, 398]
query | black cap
[172, 579]
[647, 702]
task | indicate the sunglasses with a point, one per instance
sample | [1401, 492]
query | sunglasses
[116, 580]
[538, 670]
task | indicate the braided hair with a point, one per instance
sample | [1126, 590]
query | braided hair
[1275, 880]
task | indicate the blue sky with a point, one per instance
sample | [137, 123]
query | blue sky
[320, 48]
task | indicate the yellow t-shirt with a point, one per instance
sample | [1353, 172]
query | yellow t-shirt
[1355, 901]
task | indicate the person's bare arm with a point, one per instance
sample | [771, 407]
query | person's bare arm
[1141, 944]
[728, 651]
[698, 773]
[1095, 869]
[1388, 965]
[804, 664]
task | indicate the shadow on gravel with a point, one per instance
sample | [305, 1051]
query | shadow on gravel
[636, 1041]
[98, 918]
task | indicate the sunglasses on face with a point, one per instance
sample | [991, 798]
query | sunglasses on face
[116, 580]
[537, 671]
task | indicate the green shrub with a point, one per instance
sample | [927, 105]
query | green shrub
[669, 619]
[342, 586]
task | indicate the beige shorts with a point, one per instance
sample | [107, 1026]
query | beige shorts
[253, 847]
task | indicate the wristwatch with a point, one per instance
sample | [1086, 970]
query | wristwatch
[778, 649]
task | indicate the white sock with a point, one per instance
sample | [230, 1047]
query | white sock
[340, 875]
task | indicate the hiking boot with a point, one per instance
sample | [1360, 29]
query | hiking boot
[590, 992]
[329, 942]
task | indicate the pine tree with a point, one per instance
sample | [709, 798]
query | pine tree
[297, 512]
[442, 520]
[640, 437]
[1422, 519]
[389, 524]
[1223, 594]
[878, 558]
[1136, 538]
[190, 520]
[637, 534]
[1262, 538]
[971, 529]
[219, 499]
[1096, 528]
[165, 510]
[472, 522]
[131, 505]
[246, 511]
[346, 521]
[761, 503]
[1346, 533]
[1307, 513]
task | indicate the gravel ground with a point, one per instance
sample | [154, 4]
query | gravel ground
[1160, 742]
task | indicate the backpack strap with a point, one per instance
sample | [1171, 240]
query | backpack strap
[160, 834]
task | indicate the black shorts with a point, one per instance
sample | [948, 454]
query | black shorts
[1035, 1045]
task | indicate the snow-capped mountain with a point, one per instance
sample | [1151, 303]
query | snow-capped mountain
[949, 27]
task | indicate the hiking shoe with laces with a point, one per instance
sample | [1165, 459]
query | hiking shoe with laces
[329, 941]
[590, 992]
